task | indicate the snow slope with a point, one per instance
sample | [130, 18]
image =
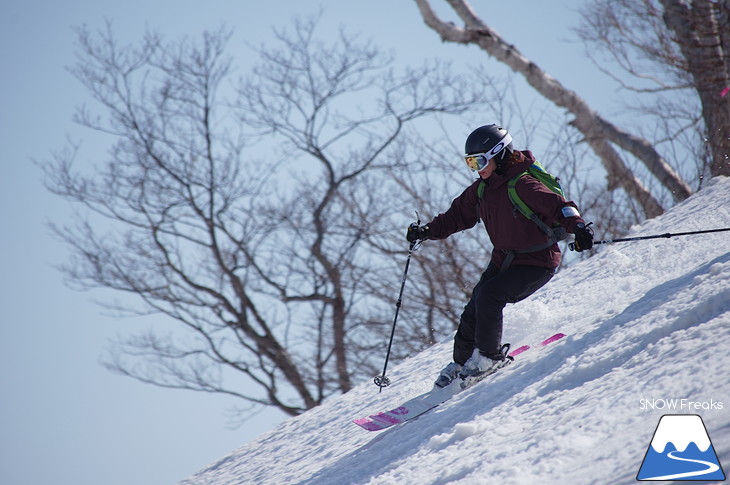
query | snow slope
[647, 322]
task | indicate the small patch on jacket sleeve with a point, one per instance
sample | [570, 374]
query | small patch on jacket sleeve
[570, 211]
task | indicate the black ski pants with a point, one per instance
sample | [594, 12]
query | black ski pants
[481, 321]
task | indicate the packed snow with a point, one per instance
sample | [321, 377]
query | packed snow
[647, 326]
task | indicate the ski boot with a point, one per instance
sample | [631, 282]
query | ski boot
[481, 365]
[448, 374]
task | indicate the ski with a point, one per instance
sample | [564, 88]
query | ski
[431, 399]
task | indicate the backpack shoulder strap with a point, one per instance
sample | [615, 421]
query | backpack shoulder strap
[515, 198]
[480, 189]
[524, 209]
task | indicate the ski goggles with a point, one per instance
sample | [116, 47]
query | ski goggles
[477, 161]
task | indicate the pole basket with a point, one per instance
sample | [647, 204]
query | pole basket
[381, 381]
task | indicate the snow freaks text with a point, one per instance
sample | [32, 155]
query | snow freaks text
[680, 404]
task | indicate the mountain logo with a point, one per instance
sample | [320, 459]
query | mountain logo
[681, 450]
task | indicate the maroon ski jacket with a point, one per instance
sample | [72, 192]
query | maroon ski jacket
[508, 229]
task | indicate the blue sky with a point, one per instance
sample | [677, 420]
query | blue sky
[64, 419]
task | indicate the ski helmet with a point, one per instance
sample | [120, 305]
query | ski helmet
[492, 140]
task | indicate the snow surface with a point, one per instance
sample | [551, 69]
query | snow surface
[647, 323]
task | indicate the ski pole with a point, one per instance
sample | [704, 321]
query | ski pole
[656, 236]
[381, 381]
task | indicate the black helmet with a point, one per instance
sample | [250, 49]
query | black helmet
[492, 140]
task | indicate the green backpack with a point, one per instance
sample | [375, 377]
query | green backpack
[554, 234]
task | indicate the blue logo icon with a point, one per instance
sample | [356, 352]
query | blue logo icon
[681, 450]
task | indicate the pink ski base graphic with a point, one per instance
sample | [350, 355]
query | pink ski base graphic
[552, 339]
[385, 418]
[519, 350]
[368, 425]
[545, 342]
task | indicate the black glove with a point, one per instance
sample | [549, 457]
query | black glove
[416, 232]
[583, 237]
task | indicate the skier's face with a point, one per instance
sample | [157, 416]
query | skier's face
[487, 171]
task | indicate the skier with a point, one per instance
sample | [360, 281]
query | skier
[524, 258]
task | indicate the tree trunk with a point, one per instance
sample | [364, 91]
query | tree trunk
[703, 35]
[597, 131]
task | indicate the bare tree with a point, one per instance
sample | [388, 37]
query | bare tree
[345, 191]
[679, 49]
[262, 263]
[442, 273]
[602, 136]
